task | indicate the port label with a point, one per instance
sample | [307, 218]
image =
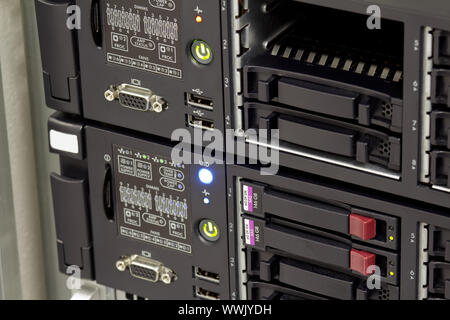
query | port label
[145, 35]
[153, 199]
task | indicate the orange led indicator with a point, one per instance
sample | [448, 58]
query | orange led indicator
[198, 19]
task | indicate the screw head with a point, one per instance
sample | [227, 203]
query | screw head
[166, 279]
[121, 266]
[159, 104]
[109, 95]
[158, 108]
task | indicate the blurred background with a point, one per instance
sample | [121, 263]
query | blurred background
[28, 260]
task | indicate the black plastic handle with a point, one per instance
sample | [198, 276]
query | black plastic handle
[307, 246]
[59, 52]
[108, 201]
[306, 211]
[311, 279]
[318, 98]
[317, 135]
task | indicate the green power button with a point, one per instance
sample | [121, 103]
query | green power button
[201, 52]
[209, 230]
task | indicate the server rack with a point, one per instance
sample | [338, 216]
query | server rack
[362, 116]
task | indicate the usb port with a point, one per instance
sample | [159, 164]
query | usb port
[194, 100]
[201, 274]
[201, 123]
[206, 294]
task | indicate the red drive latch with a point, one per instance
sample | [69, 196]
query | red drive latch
[362, 227]
[360, 261]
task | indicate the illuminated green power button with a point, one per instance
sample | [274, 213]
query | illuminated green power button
[201, 52]
[209, 230]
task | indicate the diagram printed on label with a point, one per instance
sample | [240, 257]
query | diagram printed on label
[152, 199]
[144, 34]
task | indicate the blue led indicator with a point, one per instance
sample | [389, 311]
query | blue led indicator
[206, 201]
[205, 176]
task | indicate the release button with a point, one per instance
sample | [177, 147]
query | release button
[360, 261]
[363, 227]
[201, 52]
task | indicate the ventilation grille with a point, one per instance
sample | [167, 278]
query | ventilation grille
[339, 62]
[384, 294]
[384, 149]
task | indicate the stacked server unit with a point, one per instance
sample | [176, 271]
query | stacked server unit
[359, 208]
[123, 76]
[346, 101]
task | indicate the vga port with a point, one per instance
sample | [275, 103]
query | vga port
[134, 101]
[136, 98]
[144, 273]
[146, 269]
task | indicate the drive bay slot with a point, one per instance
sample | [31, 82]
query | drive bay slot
[265, 202]
[298, 36]
[259, 290]
[439, 279]
[282, 272]
[439, 242]
[440, 129]
[293, 208]
[341, 140]
[440, 169]
[302, 91]
[440, 87]
[318, 247]
[332, 101]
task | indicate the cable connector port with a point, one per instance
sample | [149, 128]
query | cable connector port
[136, 98]
[206, 294]
[198, 101]
[200, 123]
[201, 274]
[146, 269]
